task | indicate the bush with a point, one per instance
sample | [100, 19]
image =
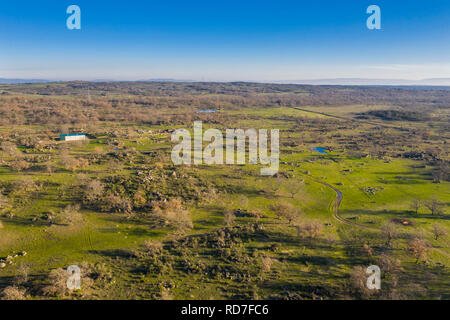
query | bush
[228, 218]
[358, 282]
[439, 231]
[389, 264]
[266, 264]
[165, 294]
[286, 211]
[173, 213]
[57, 283]
[389, 231]
[22, 273]
[116, 203]
[20, 165]
[13, 293]
[68, 215]
[92, 193]
[418, 248]
[4, 202]
[309, 230]
[152, 248]
[435, 206]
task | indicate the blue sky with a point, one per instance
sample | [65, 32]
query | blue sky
[224, 40]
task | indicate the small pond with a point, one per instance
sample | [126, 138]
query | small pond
[320, 150]
[207, 111]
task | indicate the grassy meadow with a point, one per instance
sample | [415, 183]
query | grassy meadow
[141, 228]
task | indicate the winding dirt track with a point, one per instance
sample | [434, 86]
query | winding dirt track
[339, 195]
[335, 211]
[337, 204]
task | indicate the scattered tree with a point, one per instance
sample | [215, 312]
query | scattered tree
[358, 282]
[416, 204]
[309, 230]
[57, 283]
[266, 264]
[286, 211]
[22, 274]
[13, 293]
[69, 215]
[418, 248]
[19, 165]
[435, 206]
[389, 231]
[229, 218]
[389, 264]
[4, 202]
[173, 213]
[438, 231]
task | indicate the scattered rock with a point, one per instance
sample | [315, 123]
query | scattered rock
[404, 222]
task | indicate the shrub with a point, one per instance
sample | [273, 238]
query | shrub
[266, 264]
[22, 273]
[57, 283]
[435, 206]
[173, 213]
[286, 211]
[309, 230]
[418, 248]
[4, 202]
[389, 231]
[358, 282]
[116, 203]
[94, 272]
[152, 248]
[439, 231]
[92, 191]
[10, 149]
[165, 294]
[19, 165]
[389, 264]
[229, 218]
[68, 215]
[13, 293]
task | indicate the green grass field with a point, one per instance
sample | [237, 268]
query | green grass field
[257, 256]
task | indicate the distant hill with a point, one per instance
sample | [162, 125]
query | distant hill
[337, 81]
[372, 82]
[12, 81]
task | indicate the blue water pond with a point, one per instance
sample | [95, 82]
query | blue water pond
[207, 111]
[320, 150]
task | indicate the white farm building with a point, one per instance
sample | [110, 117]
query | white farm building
[73, 137]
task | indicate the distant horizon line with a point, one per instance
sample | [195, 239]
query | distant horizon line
[320, 81]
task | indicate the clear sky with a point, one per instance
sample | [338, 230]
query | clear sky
[224, 40]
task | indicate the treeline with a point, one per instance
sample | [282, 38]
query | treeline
[162, 103]
[236, 94]
[59, 111]
[396, 115]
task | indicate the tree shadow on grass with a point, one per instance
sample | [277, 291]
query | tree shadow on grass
[308, 291]
[319, 260]
[136, 232]
[397, 213]
[26, 222]
[114, 253]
